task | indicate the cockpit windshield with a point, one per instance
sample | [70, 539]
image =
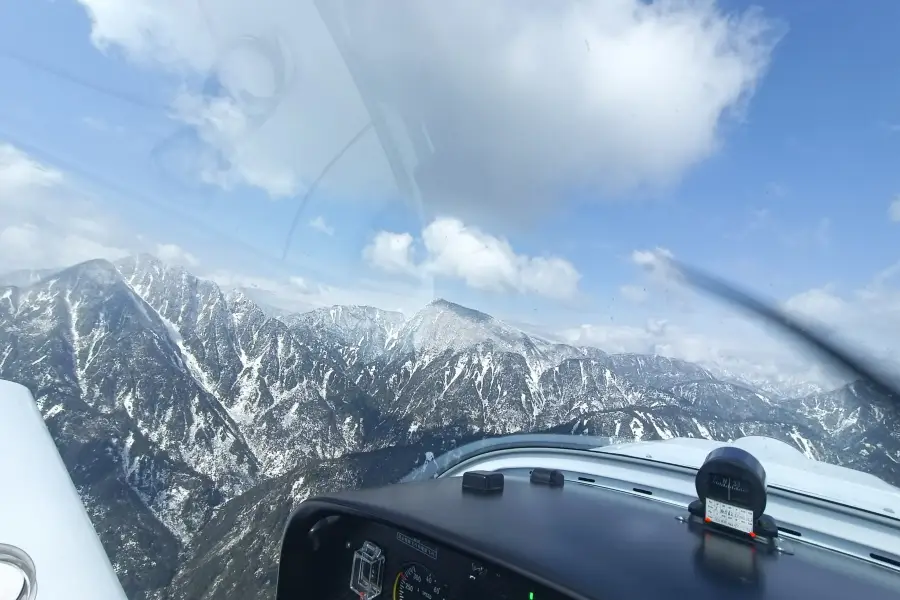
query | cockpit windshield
[256, 250]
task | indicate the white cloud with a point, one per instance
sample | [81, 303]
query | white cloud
[658, 268]
[22, 179]
[28, 246]
[729, 347]
[176, 255]
[42, 223]
[319, 224]
[298, 282]
[867, 320]
[894, 210]
[391, 252]
[46, 223]
[611, 338]
[298, 294]
[285, 287]
[652, 260]
[482, 261]
[239, 156]
[51, 224]
[658, 272]
[519, 98]
[657, 336]
[867, 317]
[818, 303]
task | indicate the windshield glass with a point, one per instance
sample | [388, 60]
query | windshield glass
[256, 251]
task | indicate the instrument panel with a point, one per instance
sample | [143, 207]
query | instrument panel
[533, 541]
[377, 561]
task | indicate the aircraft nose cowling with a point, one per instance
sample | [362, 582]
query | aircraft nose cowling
[765, 447]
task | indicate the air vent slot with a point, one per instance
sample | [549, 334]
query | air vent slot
[642, 491]
[790, 531]
[886, 559]
[586, 480]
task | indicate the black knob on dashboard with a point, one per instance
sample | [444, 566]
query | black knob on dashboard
[551, 477]
[482, 482]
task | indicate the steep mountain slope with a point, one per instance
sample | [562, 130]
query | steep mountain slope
[286, 390]
[293, 395]
[862, 427]
[453, 365]
[656, 371]
[107, 329]
[358, 334]
[165, 398]
[441, 326]
[235, 555]
[133, 439]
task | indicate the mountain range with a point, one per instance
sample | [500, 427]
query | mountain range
[192, 420]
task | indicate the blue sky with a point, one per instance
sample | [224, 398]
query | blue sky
[760, 145]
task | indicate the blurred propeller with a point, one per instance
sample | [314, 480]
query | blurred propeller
[846, 361]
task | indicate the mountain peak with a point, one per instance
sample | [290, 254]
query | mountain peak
[440, 304]
[145, 262]
[443, 325]
[98, 270]
[236, 295]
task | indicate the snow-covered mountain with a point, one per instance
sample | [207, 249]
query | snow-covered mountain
[357, 334]
[191, 418]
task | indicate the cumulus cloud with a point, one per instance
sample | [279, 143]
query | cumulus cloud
[656, 264]
[23, 180]
[482, 261]
[730, 347]
[319, 224]
[176, 255]
[30, 246]
[288, 287]
[297, 294]
[489, 104]
[865, 319]
[45, 222]
[655, 260]
[391, 252]
[818, 303]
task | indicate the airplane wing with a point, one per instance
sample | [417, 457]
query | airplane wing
[41, 514]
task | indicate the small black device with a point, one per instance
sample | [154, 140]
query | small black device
[731, 486]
